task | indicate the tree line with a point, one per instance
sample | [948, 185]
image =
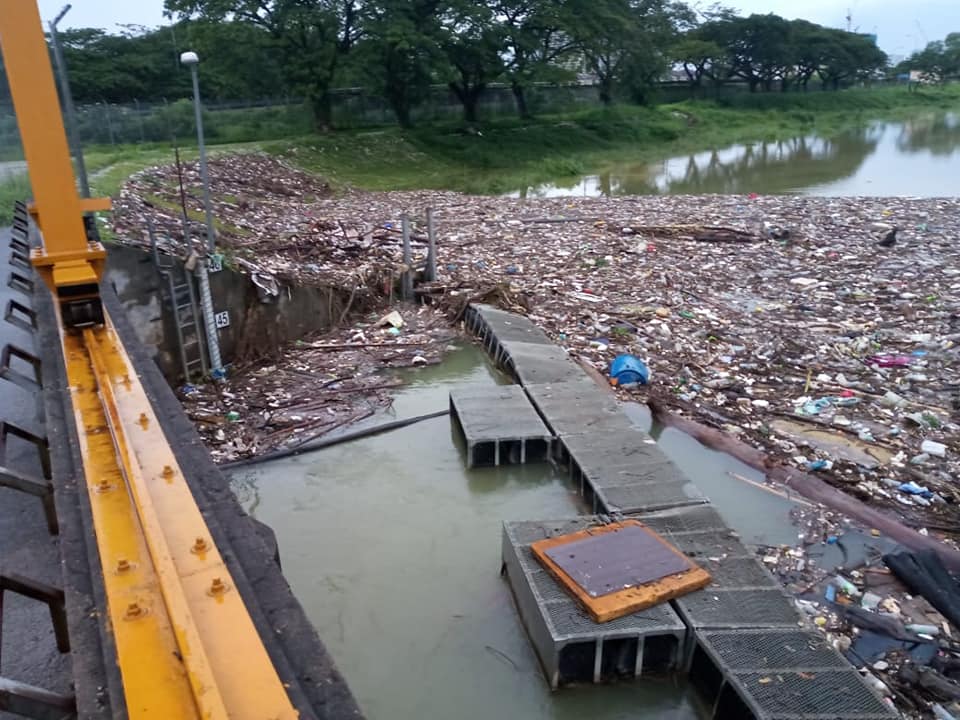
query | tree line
[400, 48]
[938, 62]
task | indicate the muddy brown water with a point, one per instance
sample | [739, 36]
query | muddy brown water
[393, 548]
[919, 157]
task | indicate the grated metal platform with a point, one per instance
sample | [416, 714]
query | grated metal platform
[739, 639]
[499, 426]
[574, 407]
[624, 471]
[520, 347]
[780, 675]
[572, 647]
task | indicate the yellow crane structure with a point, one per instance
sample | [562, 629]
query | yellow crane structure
[185, 643]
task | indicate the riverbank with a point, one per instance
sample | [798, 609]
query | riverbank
[508, 153]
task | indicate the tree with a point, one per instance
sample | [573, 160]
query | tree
[401, 51]
[625, 42]
[312, 36]
[939, 60]
[533, 40]
[760, 49]
[699, 58]
[471, 42]
[134, 65]
[846, 56]
[808, 46]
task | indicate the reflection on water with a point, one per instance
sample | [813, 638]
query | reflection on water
[393, 548]
[919, 157]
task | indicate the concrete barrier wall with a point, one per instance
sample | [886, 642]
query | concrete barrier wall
[257, 329]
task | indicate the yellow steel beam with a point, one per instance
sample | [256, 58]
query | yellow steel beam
[227, 666]
[155, 682]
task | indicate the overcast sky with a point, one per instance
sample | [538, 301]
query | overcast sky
[902, 25]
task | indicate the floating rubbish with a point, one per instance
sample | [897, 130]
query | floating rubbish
[933, 448]
[629, 370]
[911, 488]
[889, 361]
[393, 319]
[846, 587]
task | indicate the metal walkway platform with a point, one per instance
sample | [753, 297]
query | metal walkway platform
[620, 470]
[499, 426]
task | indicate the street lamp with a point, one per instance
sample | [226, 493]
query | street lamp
[191, 60]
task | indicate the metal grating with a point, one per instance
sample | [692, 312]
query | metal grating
[696, 519]
[824, 695]
[649, 496]
[578, 406]
[767, 650]
[526, 532]
[710, 544]
[738, 572]
[750, 608]
[499, 426]
[569, 622]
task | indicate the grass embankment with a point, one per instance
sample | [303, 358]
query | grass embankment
[510, 153]
[506, 154]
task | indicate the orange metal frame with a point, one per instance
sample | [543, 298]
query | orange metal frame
[67, 259]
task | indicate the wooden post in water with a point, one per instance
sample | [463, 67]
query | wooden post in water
[432, 248]
[406, 279]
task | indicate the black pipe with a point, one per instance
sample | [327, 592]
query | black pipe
[328, 442]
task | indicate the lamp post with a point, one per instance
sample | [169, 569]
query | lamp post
[68, 102]
[191, 60]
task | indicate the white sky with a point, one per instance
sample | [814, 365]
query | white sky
[902, 25]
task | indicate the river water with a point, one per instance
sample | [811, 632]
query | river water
[917, 157]
[393, 548]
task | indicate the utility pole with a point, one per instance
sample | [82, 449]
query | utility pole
[72, 131]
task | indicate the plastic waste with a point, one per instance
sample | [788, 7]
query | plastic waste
[393, 318]
[889, 361]
[233, 416]
[629, 370]
[911, 488]
[846, 587]
[933, 448]
[931, 630]
[870, 601]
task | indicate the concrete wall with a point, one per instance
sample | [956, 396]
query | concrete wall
[257, 329]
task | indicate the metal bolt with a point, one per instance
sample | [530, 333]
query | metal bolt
[217, 587]
[133, 611]
[199, 545]
[103, 486]
[143, 421]
[123, 565]
[167, 471]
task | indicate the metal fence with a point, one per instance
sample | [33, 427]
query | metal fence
[245, 121]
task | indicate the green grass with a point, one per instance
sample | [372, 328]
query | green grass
[508, 153]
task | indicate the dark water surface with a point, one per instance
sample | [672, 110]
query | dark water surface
[393, 547]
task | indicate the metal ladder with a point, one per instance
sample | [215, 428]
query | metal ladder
[182, 297]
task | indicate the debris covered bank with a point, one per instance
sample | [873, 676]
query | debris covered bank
[800, 325]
